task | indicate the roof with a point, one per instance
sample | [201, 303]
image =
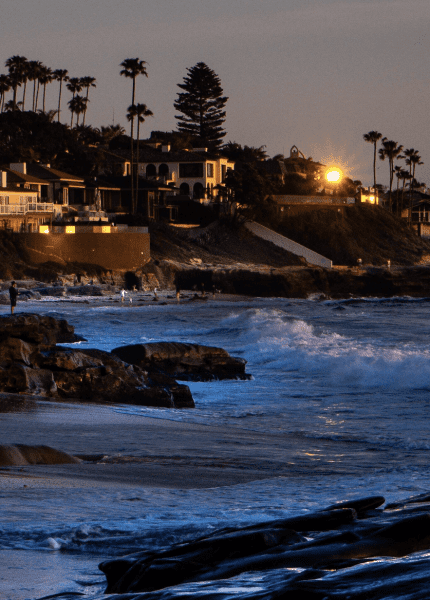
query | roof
[16, 190]
[49, 174]
[147, 154]
[17, 177]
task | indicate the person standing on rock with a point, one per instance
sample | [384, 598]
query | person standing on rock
[13, 293]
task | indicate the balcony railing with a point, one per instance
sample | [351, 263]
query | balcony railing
[22, 209]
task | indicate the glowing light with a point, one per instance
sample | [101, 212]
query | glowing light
[105, 228]
[333, 174]
[43, 228]
[70, 229]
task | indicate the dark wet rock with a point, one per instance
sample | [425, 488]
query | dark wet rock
[276, 549]
[37, 329]
[87, 290]
[20, 378]
[187, 362]
[56, 291]
[32, 363]
[21, 454]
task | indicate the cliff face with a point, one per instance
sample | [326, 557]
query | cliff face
[348, 233]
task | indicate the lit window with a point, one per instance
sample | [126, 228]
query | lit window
[70, 229]
[43, 228]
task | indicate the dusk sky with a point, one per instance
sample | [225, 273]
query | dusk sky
[315, 73]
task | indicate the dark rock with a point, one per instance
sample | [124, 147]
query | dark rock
[23, 379]
[187, 362]
[31, 363]
[21, 454]
[37, 329]
[276, 551]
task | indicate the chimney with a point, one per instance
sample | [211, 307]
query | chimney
[165, 148]
[20, 167]
[3, 179]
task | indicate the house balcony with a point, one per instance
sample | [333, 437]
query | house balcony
[23, 209]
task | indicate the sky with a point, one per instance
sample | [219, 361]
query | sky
[313, 73]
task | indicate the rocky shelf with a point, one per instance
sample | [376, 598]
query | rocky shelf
[333, 553]
[32, 363]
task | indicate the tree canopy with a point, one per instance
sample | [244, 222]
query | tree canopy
[201, 104]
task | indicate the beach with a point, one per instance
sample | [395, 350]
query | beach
[335, 409]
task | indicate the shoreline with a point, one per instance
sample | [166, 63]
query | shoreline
[197, 456]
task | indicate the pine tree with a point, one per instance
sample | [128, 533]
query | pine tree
[201, 105]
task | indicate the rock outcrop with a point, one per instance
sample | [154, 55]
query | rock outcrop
[186, 362]
[21, 454]
[32, 363]
[309, 556]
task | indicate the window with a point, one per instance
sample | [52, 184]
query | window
[163, 170]
[151, 171]
[223, 172]
[191, 170]
[210, 170]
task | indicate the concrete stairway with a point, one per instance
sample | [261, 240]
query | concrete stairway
[279, 240]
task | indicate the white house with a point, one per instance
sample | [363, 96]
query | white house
[196, 173]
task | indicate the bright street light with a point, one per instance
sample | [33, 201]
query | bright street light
[333, 174]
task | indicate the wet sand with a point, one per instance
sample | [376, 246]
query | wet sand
[125, 450]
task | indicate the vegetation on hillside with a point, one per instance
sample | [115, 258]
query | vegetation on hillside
[357, 231]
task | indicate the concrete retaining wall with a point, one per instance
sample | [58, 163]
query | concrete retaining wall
[112, 251]
[279, 240]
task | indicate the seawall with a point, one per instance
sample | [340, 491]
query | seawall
[112, 251]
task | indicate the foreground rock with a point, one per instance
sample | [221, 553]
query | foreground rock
[32, 363]
[21, 455]
[187, 362]
[325, 545]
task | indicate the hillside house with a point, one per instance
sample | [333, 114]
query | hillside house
[21, 206]
[195, 174]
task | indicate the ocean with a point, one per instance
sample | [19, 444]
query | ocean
[345, 383]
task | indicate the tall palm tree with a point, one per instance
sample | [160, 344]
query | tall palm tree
[25, 75]
[139, 112]
[373, 137]
[16, 65]
[74, 85]
[77, 106]
[34, 69]
[391, 150]
[87, 82]
[132, 68]
[412, 160]
[60, 75]
[5, 86]
[398, 173]
[45, 77]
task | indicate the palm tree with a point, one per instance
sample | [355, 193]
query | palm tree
[391, 150]
[109, 132]
[77, 106]
[373, 137]
[5, 86]
[74, 85]
[132, 68]
[140, 112]
[398, 173]
[60, 75]
[412, 160]
[45, 77]
[16, 65]
[87, 82]
[25, 74]
[34, 69]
